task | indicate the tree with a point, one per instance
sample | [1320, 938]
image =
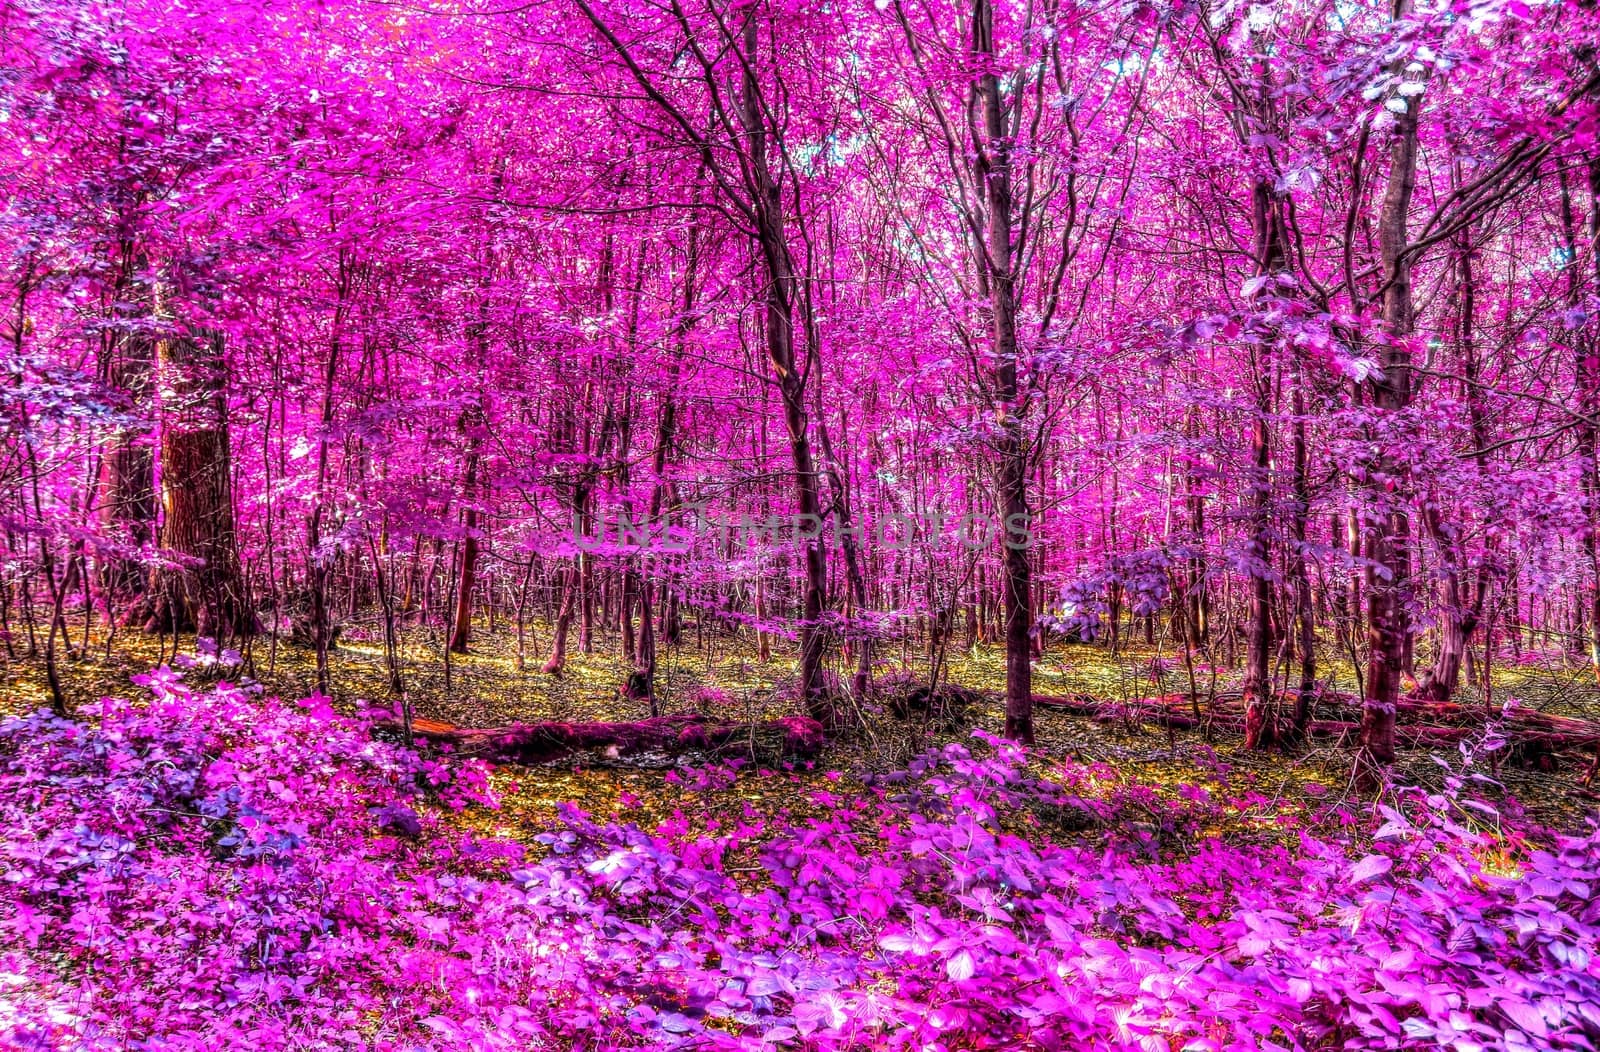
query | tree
[204, 592]
[754, 192]
[1388, 531]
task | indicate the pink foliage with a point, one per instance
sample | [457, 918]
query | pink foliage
[215, 869]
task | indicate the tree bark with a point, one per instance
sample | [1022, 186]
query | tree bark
[1587, 349]
[1388, 624]
[558, 639]
[993, 172]
[1261, 718]
[1460, 615]
[1305, 607]
[207, 595]
[319, 563]
[1196, 599]
[1260, 725]
[461, 631]
[779, 294]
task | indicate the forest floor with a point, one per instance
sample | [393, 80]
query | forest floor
[726, 680]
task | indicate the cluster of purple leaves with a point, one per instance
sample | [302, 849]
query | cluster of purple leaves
[1140, 579]
[213, 869]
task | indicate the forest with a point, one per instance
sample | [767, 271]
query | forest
[800, 524]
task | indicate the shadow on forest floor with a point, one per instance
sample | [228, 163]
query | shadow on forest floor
[726, 680]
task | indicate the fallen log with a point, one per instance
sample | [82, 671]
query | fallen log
[1534, 737]
[789, 737]
[1163, 712]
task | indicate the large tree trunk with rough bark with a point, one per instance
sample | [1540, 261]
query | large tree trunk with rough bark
[206, 593]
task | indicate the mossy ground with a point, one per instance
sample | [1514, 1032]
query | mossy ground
[486, 688]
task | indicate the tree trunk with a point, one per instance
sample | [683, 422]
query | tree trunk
[207, 595]
[1305, 608]
[1388, 624]
[319, 564]
[838, 475]
[1587, 349]
[558, 639]
[993, 172]
[1260, 723]
[662, 497]
[1261, 718]
[1459, 617]
[779, 294]
[461, 633]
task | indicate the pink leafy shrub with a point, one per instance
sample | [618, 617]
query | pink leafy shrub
[218, 870]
